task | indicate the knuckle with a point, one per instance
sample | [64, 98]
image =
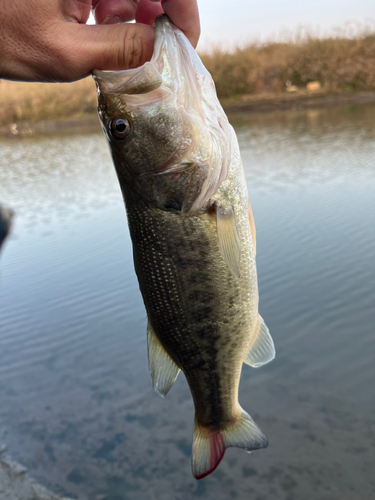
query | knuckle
[134, 51]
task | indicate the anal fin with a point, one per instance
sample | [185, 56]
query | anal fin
[228, 238]
[262, 349]
[163, 369]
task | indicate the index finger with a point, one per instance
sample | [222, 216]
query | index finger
[148, 11]
[120, 10]
[183, 14]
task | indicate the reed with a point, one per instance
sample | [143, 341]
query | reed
[45, 101]
[338, 63]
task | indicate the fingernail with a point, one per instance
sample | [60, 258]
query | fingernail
[112, 20]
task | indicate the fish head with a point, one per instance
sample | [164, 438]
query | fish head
[139, 119]
[168, 135]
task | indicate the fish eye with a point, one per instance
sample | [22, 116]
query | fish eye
[120, 127]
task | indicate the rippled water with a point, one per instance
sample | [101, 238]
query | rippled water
[76, 404]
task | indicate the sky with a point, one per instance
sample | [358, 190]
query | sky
[229, 23]
[232, 22]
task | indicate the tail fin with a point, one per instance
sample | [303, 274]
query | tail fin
[209, 446]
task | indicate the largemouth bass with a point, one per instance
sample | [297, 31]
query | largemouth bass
[180, 171]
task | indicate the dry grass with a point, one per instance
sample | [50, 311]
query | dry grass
[39, 101]
[339, 63]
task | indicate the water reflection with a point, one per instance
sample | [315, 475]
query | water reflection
[314, 145]
[77, 406]
[57, 177]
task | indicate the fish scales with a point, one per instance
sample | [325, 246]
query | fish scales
[199, 325]
[180, 171]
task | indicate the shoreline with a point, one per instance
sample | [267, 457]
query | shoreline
[16, 484]
[295, 101]
[261, 103]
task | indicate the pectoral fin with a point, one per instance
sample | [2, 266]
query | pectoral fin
[228, 238]
[252, 227]
[163, 369]
[262, 349]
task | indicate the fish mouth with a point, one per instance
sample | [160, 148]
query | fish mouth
[145, 78]
[141, 80]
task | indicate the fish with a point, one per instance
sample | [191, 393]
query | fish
[179, 167]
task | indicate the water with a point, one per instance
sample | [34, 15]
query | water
[77, 406]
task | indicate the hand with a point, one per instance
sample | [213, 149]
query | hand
[48, 40]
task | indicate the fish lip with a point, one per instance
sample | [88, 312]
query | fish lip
[99, 74]
[107, 79]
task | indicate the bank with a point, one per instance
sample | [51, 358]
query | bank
[259, 103]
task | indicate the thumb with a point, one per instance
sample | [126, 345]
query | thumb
[109, 47]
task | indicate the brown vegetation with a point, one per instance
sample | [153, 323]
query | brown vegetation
[40, 101]
[339, 63]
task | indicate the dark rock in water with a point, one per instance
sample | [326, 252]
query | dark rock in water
[6, 217]
[15, 484]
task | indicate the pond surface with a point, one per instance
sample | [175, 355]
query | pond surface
[76, 403]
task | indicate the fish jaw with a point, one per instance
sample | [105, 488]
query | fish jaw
[164, 68]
